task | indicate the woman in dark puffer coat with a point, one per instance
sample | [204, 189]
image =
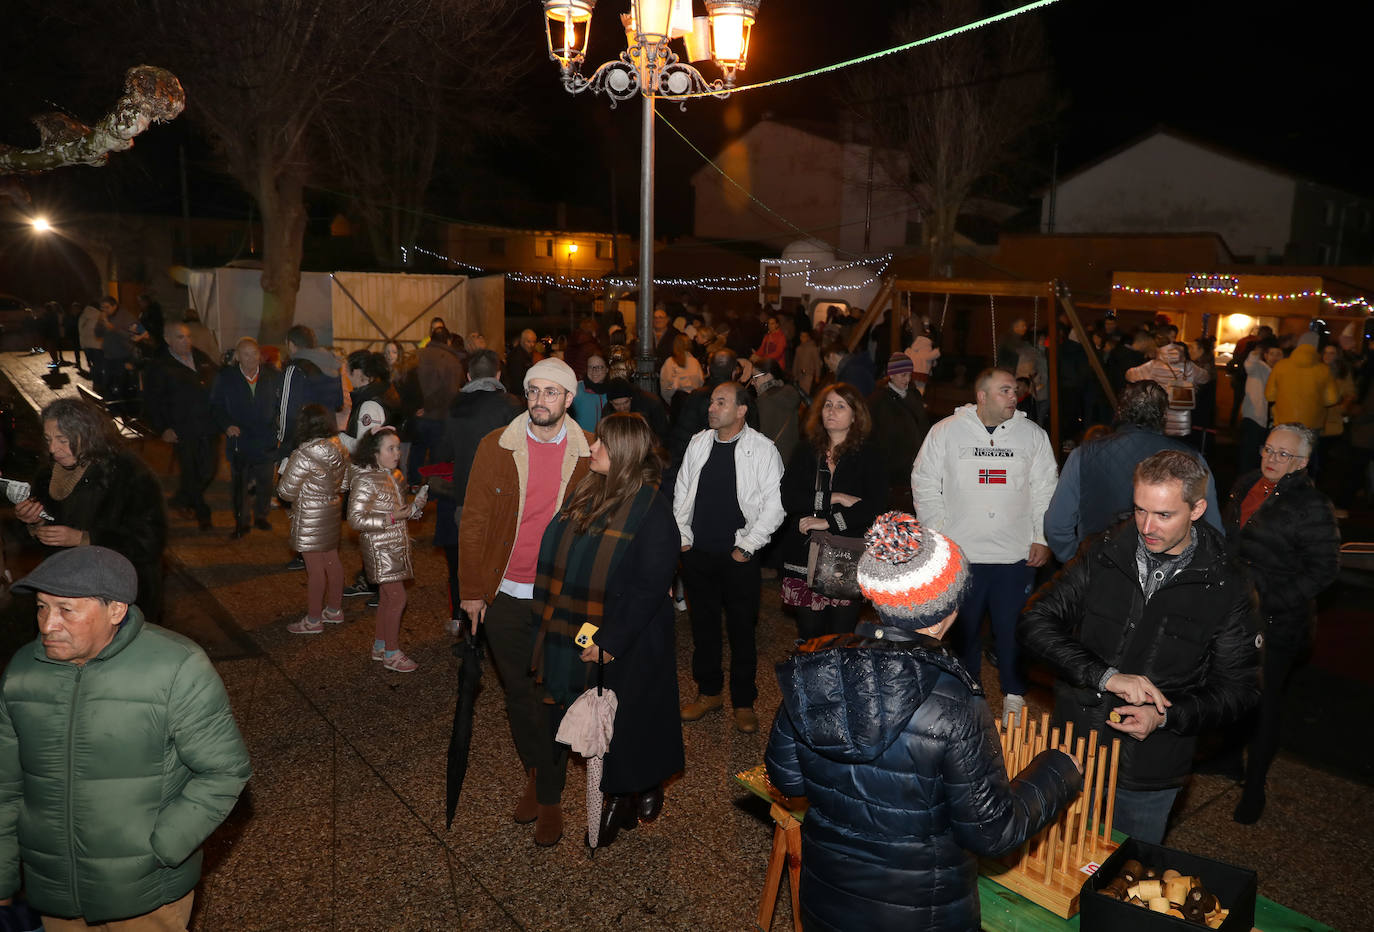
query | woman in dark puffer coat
[891, 741]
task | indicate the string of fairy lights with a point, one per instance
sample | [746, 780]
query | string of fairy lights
[813, 276]
[1232, 290]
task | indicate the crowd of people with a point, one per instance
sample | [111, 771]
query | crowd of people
[577, 510]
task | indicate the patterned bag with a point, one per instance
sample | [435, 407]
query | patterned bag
[832, 565]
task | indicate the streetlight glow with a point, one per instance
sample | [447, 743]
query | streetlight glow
[41, 224]
[649, 69]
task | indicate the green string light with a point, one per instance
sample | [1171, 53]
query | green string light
[873, 56]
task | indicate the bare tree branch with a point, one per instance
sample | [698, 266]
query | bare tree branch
[151, 95]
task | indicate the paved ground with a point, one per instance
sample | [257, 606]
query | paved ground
[342, 824]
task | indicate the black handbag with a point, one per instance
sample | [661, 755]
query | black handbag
[832, 565]
[832, 560]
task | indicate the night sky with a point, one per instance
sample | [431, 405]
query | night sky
[1255, 78]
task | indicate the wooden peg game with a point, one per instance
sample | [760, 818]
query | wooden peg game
[1049, 869]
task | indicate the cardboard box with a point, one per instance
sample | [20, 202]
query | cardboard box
[1234, 887]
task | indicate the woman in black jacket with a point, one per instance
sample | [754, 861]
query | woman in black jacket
[835, 482]
[893, 744]
[95, 491]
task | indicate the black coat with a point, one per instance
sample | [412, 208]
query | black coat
[900, 426]
[178, 397]
[637, 630]
[119, 502]
[254, 413]
[859, 472]
[471, 416]
[894, 747]
[1197, 639]
[1291, 547]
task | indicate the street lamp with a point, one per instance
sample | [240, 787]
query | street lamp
[650, 68]
[41, 224]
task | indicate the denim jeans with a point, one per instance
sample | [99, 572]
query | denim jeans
[1144, 814]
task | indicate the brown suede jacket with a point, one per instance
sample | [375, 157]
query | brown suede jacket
[495, 500]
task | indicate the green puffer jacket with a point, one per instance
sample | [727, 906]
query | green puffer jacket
[113, 773]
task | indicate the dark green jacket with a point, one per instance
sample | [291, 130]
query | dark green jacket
[112, 774]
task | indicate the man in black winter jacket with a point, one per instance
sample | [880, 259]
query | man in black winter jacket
[481, 406]
[1284, 531]
[1152, 632]
[176, 403]
[892, 743]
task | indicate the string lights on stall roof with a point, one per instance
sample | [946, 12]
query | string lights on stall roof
[722, 283]
[1250, 295]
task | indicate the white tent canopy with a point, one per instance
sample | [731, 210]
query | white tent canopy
[353, 310]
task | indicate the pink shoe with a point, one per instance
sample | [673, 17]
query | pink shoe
[306, 626]
[332, 616]
[400, 663]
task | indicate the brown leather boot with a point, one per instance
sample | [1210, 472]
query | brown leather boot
[548, 825]
[526, 810]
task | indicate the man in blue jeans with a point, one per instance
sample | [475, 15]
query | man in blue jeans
[984, 477]
[1153, 633]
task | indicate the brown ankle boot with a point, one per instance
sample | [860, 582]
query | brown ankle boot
[526, 810]
[548, 825]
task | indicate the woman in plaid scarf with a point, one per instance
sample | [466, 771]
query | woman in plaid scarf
[608, 558]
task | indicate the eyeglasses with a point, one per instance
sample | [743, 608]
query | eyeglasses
[1282, 456]
[549, 393]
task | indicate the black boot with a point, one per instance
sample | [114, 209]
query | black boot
[648, 804]
[618, 813]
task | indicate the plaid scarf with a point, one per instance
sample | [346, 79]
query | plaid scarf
[570, 590]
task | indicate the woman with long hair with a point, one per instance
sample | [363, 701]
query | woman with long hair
[835, 482]
[378, 510]
[92, 490]
[315, 476]
[607, 559]
[680, 372]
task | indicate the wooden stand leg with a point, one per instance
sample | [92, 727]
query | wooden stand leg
[776, 860]
[786, 853]
[793, 835]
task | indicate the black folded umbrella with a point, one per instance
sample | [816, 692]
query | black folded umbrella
[469, 652]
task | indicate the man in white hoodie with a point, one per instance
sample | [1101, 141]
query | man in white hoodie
[984, 478]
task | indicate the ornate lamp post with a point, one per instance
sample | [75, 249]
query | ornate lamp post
[650, 68]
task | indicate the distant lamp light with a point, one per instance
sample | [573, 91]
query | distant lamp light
[698, 41]
[41, 224]
[731, 23]
[572, 248]
[567, 25]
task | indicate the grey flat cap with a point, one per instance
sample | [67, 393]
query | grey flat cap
[84, 572]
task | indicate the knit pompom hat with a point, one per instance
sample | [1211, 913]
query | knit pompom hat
[914, 577]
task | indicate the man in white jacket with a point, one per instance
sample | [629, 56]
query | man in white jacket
[984, 478]
[728, 503]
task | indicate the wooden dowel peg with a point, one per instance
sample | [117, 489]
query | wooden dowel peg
[1111, 790]
[1094, 806]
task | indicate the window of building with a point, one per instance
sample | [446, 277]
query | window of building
[1331, 213]
[1364, 220]
[1324, 254]
[603, 249]
[497, 245]
[548, 248]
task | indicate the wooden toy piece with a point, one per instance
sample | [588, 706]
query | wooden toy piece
[1080, 806]
[1111, 794]
[1096, 808]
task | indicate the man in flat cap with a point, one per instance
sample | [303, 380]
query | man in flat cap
[118, 754]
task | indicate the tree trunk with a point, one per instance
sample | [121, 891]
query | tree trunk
[940, 241]
[281, 195]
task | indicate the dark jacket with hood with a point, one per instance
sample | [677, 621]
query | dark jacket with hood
[481, 407]
[1197, 638]
[310, 377]
[1291, 547]
[895, 748]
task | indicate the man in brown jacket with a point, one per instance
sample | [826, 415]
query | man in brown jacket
[520, 477]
